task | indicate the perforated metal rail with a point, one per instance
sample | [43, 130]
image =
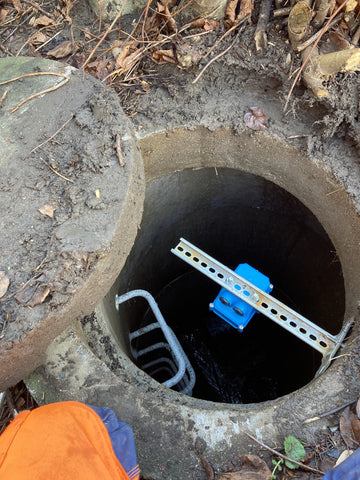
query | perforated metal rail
[284, 316]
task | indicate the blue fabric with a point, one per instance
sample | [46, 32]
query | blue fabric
[122, 440]
[349, 469]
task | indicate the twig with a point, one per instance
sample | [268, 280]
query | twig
[37, 7]
[275, 452]
[214, 59]
[119, 151]
[225, 34]
[182, 8]
[330, 412]
[51, 89]
[56, 173]
[308, 42]
[146, 13]
[263, 20]
[3, 97]
[282, 12]
[104, 36]
[10, 404]
[48, 41]
[323, 30]
[356, 37]
[52, 136]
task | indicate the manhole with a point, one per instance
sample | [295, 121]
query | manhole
[242, 199]
[235, 217]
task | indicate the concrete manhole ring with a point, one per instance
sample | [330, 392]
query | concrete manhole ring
[62, 258]
[163, 419]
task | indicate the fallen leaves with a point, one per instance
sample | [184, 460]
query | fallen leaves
[44, 21]
[164, 56]
[34, 292]
[248, 467]
[3, 14]
[47, 210]
[350, 428]
[245, 9]
[256, 119]
[62, 50]
[4, 283]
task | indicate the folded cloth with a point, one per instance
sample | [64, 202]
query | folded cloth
[67, 441]
[122, 439]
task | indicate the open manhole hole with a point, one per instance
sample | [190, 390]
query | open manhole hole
[236, 217]
[240, 201]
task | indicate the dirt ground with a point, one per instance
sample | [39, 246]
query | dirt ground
[70, 37]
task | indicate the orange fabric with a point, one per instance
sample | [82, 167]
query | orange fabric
[65, 440]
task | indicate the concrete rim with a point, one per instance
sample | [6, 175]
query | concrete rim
[23, 350]
[162, 418]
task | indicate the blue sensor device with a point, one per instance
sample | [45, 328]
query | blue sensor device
[232, 309]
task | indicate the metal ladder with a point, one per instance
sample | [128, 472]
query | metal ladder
[176, 365]
[304, 329]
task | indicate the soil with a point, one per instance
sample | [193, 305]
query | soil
[56, 251]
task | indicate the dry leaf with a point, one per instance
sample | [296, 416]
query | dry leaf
[68, 5]
[98, 68]
[17, 5]
[344, 455]
[164, 56]
[206, 24]
[231, 18]
[350, 428]
[34, 292]
[249, 467]
[358, 408]
[4, 283]
[43, 21]
[38, 38]
[165, 15]
[124, 63]
[3, 14]
[62, 50]
[97, 193]
[47, 210]
[256, 119]
[121, 54]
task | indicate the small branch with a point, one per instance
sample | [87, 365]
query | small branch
[260, 33]
[282, 12]
[356, 37]
[218, 56]
[323, 30]
[37, 7]
[119, 151]
[3, 97]
[104, 36]
[275, 452]
[57, 173]
[312, 39]
[330, 412]
[51, 89]
[52, 136]
[10, 404]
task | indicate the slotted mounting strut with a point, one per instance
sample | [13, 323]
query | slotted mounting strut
[304, 329]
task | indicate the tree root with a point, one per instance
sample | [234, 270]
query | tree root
[321, 67]
[260, 33]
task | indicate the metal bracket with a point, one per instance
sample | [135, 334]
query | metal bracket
[304, 329]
